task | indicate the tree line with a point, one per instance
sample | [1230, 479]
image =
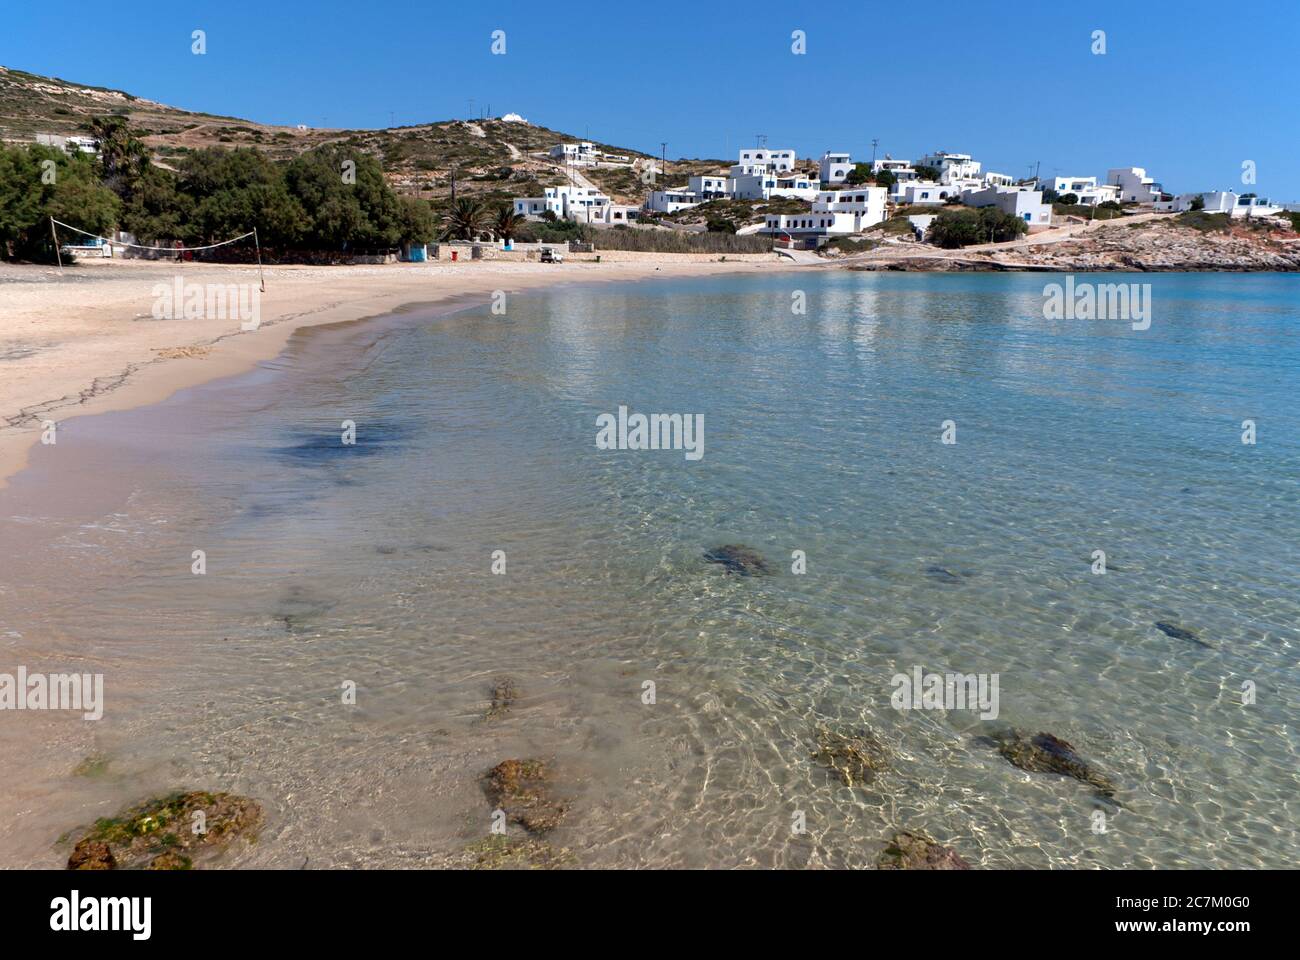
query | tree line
[332, 199]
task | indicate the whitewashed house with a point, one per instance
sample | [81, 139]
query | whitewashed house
[951, 166]
[766, 185]
[921, 192]
[571, 202]
[1134, 185]
[670, 201]
[773, 161]
[1226, 201]
[582, 154]
[1020, 202]
[835, 167]
[710, 186]
[833, 213]
[992, 179]
[1087, 189]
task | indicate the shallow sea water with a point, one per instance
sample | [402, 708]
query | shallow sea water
[371, 564]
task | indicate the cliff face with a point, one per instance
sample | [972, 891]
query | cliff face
[1160, 244]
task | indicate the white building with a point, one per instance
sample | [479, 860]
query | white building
[69, 144]
[835, 167]
[581, 154]
[572, 202]
[711, 186]
[772, 161]
[1226, 201]
[765, 186]
[834, 212]
[921, 192]
[1087, 189]
[1018, 201]
[670, 201]
[1134, 185]
[992, 179]
[951, 166]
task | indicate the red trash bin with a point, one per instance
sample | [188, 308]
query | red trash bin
[454, 254]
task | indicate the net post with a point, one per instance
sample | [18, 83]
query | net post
[55, 234]
[258, 244]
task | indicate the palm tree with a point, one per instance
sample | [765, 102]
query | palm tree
[508, 223]
[123, 157]
[464, 221]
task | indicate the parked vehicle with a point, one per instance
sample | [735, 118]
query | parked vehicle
[550, 255]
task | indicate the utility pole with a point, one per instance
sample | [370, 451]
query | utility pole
[663, 159]
[874, 142]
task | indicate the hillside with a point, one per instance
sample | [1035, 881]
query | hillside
[492, 158]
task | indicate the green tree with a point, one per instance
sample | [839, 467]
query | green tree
[235, 191]
[37, 183]
[924, 172]
[123, 157]
[465, 220]
[1069, 199]
[885, 178]
[861, 173]
[966, 226]
[508, 222]
[1198, 203]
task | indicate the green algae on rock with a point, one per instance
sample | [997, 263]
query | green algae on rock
[738, 558]
[856, 758]
[170, 831]
[1045, 753]
[504, 693]
[915, 851]
[521, 788]
[499, 852]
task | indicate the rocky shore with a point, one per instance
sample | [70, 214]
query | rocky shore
[1149, 245]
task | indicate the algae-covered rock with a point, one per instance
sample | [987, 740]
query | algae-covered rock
[915, 851]
[1045, 753]
[171, 860]
[504, 693]
[91, 855]
[1180, 633]
[499, 852]
[738, 558]
[522, 789]
[856, 757]
[169, 829]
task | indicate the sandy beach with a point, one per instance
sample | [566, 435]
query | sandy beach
[85, 340]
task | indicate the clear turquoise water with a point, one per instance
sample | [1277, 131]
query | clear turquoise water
[476, 433]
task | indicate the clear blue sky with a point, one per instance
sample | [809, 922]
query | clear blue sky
[1188, 89]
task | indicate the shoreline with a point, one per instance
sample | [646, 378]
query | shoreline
[63, 359]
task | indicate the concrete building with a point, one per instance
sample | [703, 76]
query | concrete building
[921, 192]
[835, 167]
[1134, 185]
[771, 161]
[951, 166]
[833, 213]
[1020, 202]
[1226, 201]
[765, 186]
[572, 202]
[581, 154]
[1087, 189]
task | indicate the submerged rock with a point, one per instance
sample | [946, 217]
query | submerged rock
[916, 851]
[504, 693]
[91, 855]
[1044, 753]
[499, 852]
[162, 831]
[856, 758]
[522, 789]
[1179, 633]
[944, 575]
[738, 558]
[170, 861]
